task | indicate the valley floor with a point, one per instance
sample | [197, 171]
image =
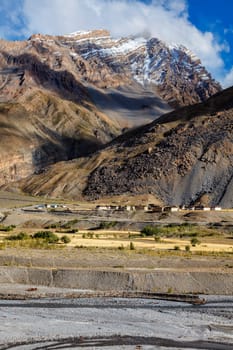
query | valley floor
[115, 258]
[188, 242]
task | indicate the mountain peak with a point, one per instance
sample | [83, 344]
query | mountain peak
[172, 70]
[94, 57]
[95, 33]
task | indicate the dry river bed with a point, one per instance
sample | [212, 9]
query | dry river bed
[116, 323]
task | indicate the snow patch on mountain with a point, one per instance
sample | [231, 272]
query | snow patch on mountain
[77, 33]
[120, 48]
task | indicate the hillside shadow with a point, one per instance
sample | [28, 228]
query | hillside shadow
[60, 81]
[126, 100]
[137, 107]
[62, 149]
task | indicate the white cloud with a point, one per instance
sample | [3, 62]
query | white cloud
[228, 79]
[164, 19]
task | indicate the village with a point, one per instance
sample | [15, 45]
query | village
[150, 208]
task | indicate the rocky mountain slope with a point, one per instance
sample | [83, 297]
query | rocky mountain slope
[63, 97]
[172, 71]
[184, 157]
[46, 114]
[52, 131]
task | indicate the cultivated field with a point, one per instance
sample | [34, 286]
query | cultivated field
[85, 238]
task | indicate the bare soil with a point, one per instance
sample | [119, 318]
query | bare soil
[92, 258]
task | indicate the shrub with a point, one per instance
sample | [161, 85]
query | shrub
[48, 236]
[7, 228]
[72, 230]
[194, 242]
[107, 224]
[150, 231]
[90, 235]
[65, 239]
[69, 224]
[188, 224]
[20, 237]
[176, 247]
[54, 225]
[187, 248]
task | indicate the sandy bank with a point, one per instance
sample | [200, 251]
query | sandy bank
[160, 280]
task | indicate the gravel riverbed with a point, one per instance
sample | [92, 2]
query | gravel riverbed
[116, 323]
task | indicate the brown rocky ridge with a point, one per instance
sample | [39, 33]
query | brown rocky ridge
[184, 157]
[170, 70]
[66, 96]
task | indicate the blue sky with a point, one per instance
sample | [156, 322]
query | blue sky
[204, 26]
[216, 17]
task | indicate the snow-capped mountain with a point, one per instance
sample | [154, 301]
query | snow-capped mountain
[62, 97]
[173, 70]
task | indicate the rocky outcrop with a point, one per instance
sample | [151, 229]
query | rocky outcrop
[180, 169]
[184, 157]
[180, 158]
[44, 131]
